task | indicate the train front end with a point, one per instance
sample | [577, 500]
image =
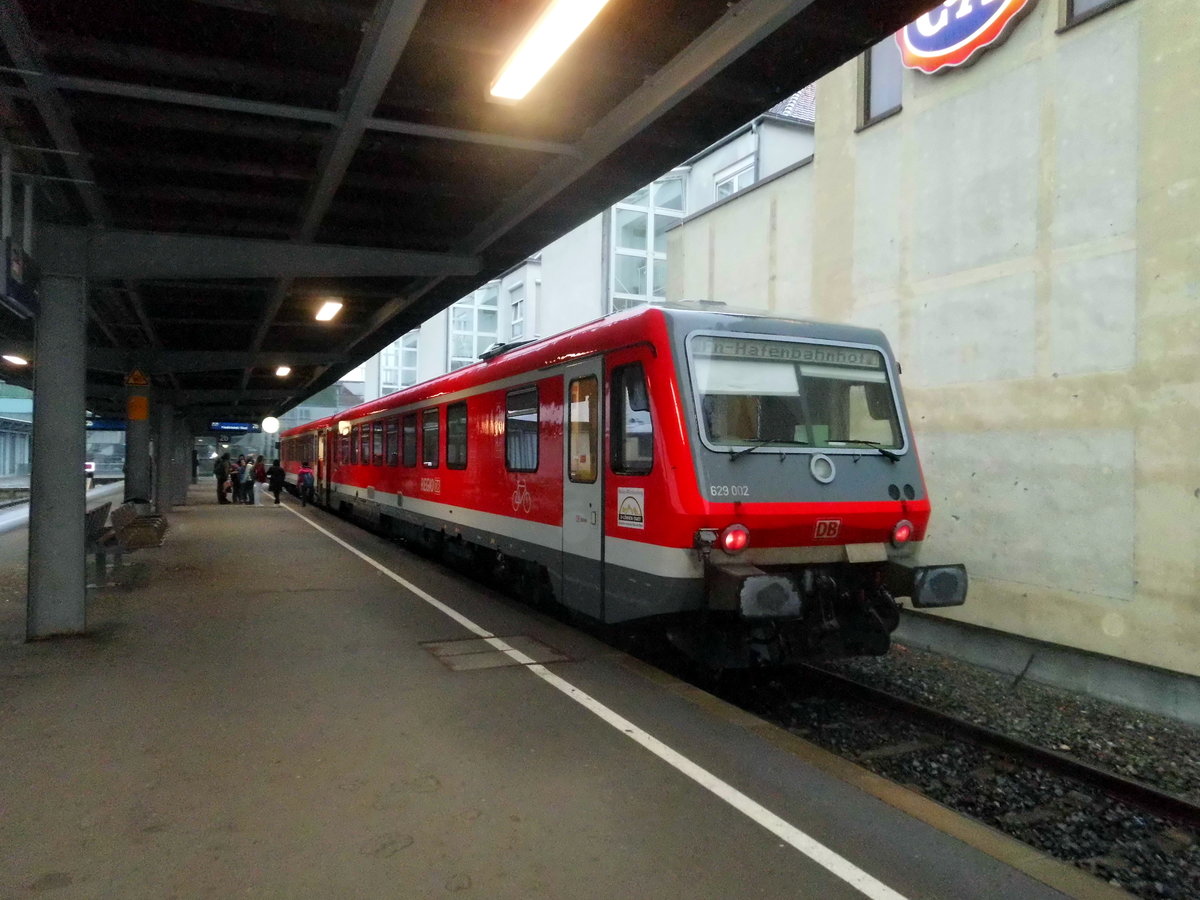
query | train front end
[812, 507]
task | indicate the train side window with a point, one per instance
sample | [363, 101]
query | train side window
[582, 418]
[408, 431]
[344, 451]
[377, 443]
[354, 444]
[632, 448]
[364, 456]
[521, 430]
[456, 436]
[393, 442]
[429, 438]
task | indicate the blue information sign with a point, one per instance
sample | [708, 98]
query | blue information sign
[233, 427]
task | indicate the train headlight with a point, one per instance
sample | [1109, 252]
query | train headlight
[902, 533]
[735, 538]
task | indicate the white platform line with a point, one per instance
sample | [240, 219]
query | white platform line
[785, 831]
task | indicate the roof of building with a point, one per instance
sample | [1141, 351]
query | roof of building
[800, 107]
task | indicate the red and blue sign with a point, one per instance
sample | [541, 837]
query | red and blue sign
[954, 31]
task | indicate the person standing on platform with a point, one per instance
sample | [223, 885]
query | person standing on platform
[305, 482]
[275, 478]
[260, 480]
[236, 469]
[221, 471]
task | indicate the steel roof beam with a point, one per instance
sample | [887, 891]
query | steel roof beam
[156, 362]
[297, 113]
[137, 254]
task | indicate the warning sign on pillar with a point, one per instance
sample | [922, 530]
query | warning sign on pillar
[137, 405]
[136, 379]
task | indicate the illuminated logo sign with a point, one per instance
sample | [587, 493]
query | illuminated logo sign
[954, 31]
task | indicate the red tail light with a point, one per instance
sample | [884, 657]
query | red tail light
[902, 533]
[735, 538]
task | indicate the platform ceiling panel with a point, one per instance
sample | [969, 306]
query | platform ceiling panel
[349, 148]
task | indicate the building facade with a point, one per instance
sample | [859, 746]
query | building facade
[1026, 229]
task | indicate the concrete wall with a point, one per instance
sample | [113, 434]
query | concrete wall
[754, 250]
[573, 289]
[1027, 231]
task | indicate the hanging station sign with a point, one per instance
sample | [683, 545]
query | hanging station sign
[952, 32]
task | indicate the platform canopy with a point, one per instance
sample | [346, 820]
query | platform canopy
[220, 167]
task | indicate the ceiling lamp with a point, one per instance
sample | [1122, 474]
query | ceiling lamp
[283, 371]
[561, 23]
[330, 309]
[15, 360]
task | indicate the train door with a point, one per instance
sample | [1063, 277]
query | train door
[322, 485]
[583, 489]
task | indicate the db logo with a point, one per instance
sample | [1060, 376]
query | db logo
[827, 528]
[954, 31]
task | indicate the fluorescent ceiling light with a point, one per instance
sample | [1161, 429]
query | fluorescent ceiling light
[15, 360]
[551, 35]
[329, 310]
[283, 371]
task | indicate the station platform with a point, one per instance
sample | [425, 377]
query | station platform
[277, 703]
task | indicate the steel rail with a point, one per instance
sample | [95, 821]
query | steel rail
[1145, 796]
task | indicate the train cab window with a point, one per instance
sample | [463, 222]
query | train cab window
[354, 444]
[632, 451]
[429, 438]
[583, 434]
[521, 430]
[377, 443]
[408, 433]
[792, 394]
[365, 445]
[456, 436]
[393, 442]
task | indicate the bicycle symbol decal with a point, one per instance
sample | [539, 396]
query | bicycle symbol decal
[521, 498]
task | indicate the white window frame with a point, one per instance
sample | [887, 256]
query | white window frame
[651, 259]
[739, 176]
[516, 305]
[476, 302]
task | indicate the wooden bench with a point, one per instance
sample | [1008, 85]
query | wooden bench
[135, 529]
[131, 529]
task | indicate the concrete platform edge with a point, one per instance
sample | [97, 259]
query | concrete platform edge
[1052, 872]
[1153, 690]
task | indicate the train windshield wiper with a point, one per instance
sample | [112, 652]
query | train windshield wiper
[756, 444]
[884, 451]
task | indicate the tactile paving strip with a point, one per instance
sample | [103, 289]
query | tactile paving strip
[476, 653]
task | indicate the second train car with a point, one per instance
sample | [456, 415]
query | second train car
[750, 485]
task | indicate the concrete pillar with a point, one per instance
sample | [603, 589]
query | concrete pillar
[137, 442]
[183, 467]
[165, 454]
[57, 574]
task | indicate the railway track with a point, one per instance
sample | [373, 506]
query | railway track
[1132, 834]
[1132, 791]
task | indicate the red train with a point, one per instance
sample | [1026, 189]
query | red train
[748, 484]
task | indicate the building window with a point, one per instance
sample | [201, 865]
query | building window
[393, 442]
[1081, 10]
[398, 363]
[735, 178]
[639, 242]
[632, 430]
[473, 325]
[456, 436]
[521, 430]
[408, 434]
[582, 431]
[429, 438]
[882, 81]
[516, 303]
